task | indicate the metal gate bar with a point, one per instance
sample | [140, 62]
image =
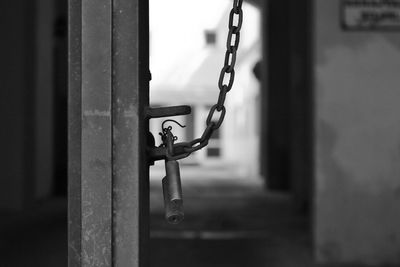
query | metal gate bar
[108, 93]
[130, 97]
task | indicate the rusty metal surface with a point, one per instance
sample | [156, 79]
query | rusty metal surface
[172, 191]
[130, 99]
[96, 167]
[108, 170]
[74, 134]
[167, 111]
[90, 178]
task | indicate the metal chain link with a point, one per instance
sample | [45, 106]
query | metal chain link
[225, 83]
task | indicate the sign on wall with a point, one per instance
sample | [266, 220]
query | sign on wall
[371, 14]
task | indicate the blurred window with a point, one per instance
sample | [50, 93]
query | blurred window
[211, 37]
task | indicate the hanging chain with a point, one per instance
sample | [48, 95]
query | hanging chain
[225, 83]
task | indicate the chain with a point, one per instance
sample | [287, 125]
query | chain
[225, 83]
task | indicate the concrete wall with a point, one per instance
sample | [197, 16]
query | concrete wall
[16, 53]
[25, 103]
[357, 120]
[44, 99]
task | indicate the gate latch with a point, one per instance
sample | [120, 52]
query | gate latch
[171, 183]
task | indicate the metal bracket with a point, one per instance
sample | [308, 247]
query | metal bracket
[159, 153]
[162, 112]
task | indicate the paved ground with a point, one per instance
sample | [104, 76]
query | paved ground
[229, 222]
[36, 238]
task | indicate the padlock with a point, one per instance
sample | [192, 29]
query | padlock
[172, 189]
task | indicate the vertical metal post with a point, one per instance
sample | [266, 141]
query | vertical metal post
[130, 97]
[108, 172]
[74, 132]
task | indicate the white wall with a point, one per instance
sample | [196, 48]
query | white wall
[357, 149]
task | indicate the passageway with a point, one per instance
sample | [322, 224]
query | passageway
[229, 221]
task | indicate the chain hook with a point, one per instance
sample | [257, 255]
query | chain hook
[170, 128]
[168, 138]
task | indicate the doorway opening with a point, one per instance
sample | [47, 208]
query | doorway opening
[243, 198]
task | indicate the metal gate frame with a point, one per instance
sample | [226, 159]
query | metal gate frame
[108, 93]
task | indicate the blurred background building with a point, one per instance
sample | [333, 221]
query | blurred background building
[303, 172]
[188, 74]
